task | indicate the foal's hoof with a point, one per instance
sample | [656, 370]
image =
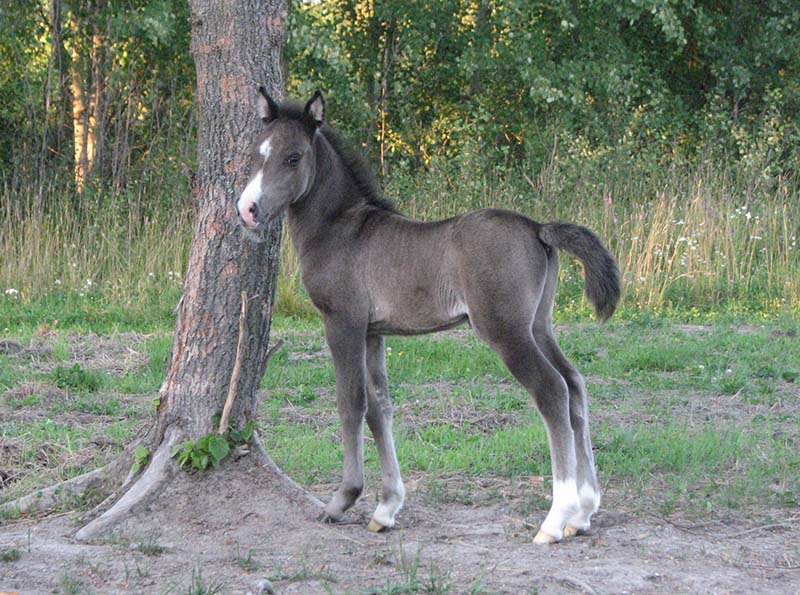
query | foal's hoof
[572, 531]
[328, 518]
[376, 527]
[543, 538]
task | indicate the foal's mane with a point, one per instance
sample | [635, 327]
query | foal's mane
[358, 170]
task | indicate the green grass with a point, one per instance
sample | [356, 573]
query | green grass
[9, 555]
[148, 379]
[685, 417]
[644, 393]
[416, 576]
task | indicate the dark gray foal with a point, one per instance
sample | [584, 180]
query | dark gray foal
[373, 272]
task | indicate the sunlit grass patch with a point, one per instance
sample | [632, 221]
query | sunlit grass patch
[717, 465]
[646, 379]
[687, 417]
[149, 378]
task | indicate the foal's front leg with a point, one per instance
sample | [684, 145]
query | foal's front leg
[347, 345]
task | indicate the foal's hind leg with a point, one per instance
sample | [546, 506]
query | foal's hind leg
[348, 345]
[379, 419]
[529, 365]
[586, 476]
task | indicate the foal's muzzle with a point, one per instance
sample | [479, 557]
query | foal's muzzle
[249, 215]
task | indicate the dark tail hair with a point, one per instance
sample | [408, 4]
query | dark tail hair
[600, 269]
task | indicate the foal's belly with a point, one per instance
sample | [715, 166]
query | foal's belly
[389, 327]
[416, 312]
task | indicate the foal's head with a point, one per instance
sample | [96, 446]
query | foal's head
[283, 164]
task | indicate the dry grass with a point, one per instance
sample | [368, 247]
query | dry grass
[684, 237]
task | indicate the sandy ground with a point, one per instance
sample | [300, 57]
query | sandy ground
[234, 529]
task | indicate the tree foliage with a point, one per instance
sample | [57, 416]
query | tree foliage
[417, 83]
[650, 74]
[129, 61]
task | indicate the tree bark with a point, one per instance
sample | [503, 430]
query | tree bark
[236, 45]
[95, 132]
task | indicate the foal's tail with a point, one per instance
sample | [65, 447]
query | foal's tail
[600, 269]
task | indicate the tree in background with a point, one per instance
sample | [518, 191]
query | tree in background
[94, 89]
[655, 75]
[106, 86]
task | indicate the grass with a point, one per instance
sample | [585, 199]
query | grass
[695, 412]
[198, 586]
[685, 417]
[415, 576]
[9, 555]
[691, 418]
[699, 239]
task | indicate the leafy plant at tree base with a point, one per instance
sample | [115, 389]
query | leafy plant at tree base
[242, 436]
[211, 449]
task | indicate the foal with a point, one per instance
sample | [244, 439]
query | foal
[371, 272]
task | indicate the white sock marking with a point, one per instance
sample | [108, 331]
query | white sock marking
[590, 502]
[566, 504]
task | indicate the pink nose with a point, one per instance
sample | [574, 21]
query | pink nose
[249, 214]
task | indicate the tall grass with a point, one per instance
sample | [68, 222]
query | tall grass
[119, 256]
[685, 236]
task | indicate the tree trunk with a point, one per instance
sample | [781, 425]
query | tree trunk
[79, 104]
[236, 46]
[61, 60]
[95, 133]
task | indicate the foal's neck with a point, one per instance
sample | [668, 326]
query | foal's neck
[313, 218]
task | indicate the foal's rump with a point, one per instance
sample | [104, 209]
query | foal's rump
[504, 260]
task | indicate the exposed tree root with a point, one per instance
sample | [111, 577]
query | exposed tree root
[54, 496]
[65, 493]
[310, 504]
[149, 484]
[135, 490]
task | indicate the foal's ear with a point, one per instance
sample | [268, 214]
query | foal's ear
[267, 108]
[315, 109]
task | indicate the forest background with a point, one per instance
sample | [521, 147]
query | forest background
[670, 128]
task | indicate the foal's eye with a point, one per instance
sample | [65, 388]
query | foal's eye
[293, 159]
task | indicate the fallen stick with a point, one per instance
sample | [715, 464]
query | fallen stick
[237, 368]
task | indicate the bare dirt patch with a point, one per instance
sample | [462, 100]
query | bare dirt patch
[232, 527]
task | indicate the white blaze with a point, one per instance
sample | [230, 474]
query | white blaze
[264, 149]
[252, 193]
[250, 197]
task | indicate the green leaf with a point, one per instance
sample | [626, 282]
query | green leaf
[140, 456]
[219, 448]
[243, 435]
